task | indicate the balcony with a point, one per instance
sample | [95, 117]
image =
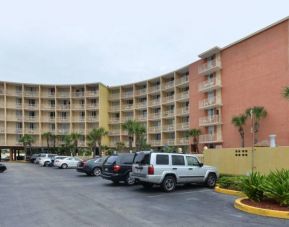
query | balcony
[92, 118]
[14, 93]
[48, 119]
[114, 96]
[183, 126]
[154, 116]
[92, 106]
[114, 143]
[78, 107]
[155, 88]
[210, 120]
[210, 85]
[126, 118]
[114, 120]
[168, 128]
[92, 93]
[182, 141]
[183, 80]
[48, 107]
[14, 106]
[14, 130]
[114, 132]
[79, 119]
[168, 85]
[50, 94]
[114, 108]
[155, 142]
[167, 99]
[209, 67]
[127, 107]
[126, 95]
[155, 129]
[141, 92]
[183, 95]
[63, 94]
[31, 131]
[141, 105]
[168, 113]
[2, 92]
[210, 138]
[63, 107]
[31, 106]
[31, 118]
[2, 130]
[31, 93]
[63, 119]
[210, 103]
[78, 94]
[63, 131]
[169, 141]
[155, 102]
[141, 117]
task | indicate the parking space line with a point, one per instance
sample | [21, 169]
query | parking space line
[178, 193]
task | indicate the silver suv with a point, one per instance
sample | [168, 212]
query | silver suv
[169, 169]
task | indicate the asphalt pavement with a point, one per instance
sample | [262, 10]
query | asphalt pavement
[31, 195]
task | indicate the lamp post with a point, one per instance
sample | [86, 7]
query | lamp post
[253, 139]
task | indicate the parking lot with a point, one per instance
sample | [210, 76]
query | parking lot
[31, 195]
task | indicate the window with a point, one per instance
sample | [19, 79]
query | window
[162, 159]
[192, 161]
[142, 158]
[125, 159]
[178, 160]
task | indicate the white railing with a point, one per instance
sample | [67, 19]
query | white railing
[168, 127]
[91, 93]
[209, 120]
[63, 131]
[182, 141]
[210, 138]
[155, 142]
[30, 118]
[209, 66]
[30, 106]
[114, 96]
[92, 106]
[127, 94]
[183, 95]
[154, 116]
[168, 113]
[114, 108]
[168, 85]
[63, 119]
[63, 94]
[128, 107]
[49, 107]
[169, 141]
[141, 118]
[114, 120]
[31, 131]
[155, 102]
[154, 88]
[210, 102]
[142, 91]
[78, 94]
[141, 105]
[114, 132]
[182, 80]
[31, 93]
[168, 99]
[92, 118]
[63, 107]
[209, 84]
[183, 126]
[155, 129]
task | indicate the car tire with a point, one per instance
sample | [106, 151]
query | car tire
[147, 185]
[46, 164]
[169, 184]
[96, 172]
[64, 166]
[211, 180]
[129, 180]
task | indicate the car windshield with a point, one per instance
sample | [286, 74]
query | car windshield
[142, 158]
[111, 159]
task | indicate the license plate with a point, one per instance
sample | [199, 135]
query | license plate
[106, 169]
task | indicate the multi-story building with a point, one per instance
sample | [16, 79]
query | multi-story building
[205, 94]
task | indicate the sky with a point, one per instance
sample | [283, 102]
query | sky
[118, 42]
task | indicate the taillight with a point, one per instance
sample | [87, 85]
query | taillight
[116, 168]
[151, 170]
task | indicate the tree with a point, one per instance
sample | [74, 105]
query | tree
[48, 136]
[129, 126]
[239, 122]
[285, 92]
[75, 137]
[120, 146]
[139, 132]
[195, 133]
[94, 139]
[258, 112]
[27, 141]
[67, 143]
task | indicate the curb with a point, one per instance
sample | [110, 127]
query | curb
[228, 191]
[260, 211]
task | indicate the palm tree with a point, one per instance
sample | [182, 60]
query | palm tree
[75, 137]
[239, 121]
[139, 132]
[68, 143]
[258, 112]
[195, 133]
[27, 141]
[48, 136]
[129, 126]
[95, 137]
[285, 92]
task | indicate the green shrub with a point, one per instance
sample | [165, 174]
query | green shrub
[252, 186]
[276, 186]
[231, 182]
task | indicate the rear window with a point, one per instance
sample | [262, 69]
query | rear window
[142, 158]
[178, 160]
[125, 159]
[111, 159]
[162, 159]
[60, 157]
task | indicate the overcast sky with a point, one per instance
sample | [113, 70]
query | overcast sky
[120, 41]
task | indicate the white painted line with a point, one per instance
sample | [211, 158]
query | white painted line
[178, 193]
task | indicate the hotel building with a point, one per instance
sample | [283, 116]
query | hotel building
[205, 94]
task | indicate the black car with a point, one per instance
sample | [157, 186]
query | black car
[118, 167]
[2, 168]
[91, 167]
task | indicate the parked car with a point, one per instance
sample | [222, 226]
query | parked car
[91, 167]
[169, 169]
[33, 157]
[43, 156]
[68, 162]
[117, 168]
[6, 159]
[46, 160]
[56, 157]
[2, 168]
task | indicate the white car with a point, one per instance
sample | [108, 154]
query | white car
[68, 162]
[44, 158]
[49, 160]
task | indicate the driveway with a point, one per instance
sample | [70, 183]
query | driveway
[37, 196]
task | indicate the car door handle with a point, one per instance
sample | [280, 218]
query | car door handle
[190, 168]
[175, 168]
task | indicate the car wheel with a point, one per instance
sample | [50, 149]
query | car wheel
[211, 180]
[46, 164]
[64, 166]
[129, 180]
[96, 172]
[169, 184]
[147, 185]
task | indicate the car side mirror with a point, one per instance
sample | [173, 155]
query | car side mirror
[201, 164]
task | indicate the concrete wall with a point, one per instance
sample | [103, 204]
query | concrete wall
[238, 161]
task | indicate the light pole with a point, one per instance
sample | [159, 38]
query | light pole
[253, 139]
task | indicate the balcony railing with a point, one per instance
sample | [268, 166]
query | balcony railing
[155, 142]
[63, 131]
[49, 107]
[92, 118]
[209, 85]
[14, 106]
[78, 94]
[2, 130]
[168, 113]
[141, 105]
[168, 128]
[30, 118]
[141, 118]
[14, 130]
[155, 102]
[141, 92]
[209, 103]
[183, 126]
[128, 107]
[209, 67]
[127, 94]
[114, 96]
[63, 94]
[31, 131]
[210, 138]
[63, 119]
[155, 129]
[182, 80]
[78, 107]
[114, 120]
[63, 107]
[31, 106]
[169, 141]
[113, 143]
[154, 88]
[31, 93]
[92, 106]
[79, 119]
[92, 93]
[114, 108]
[124, 119]
[14, 93]
[114, 132]
[183, 95]
[168, 99]
[209, 120]
[182, 141]
[153, 116]
[168, 85]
